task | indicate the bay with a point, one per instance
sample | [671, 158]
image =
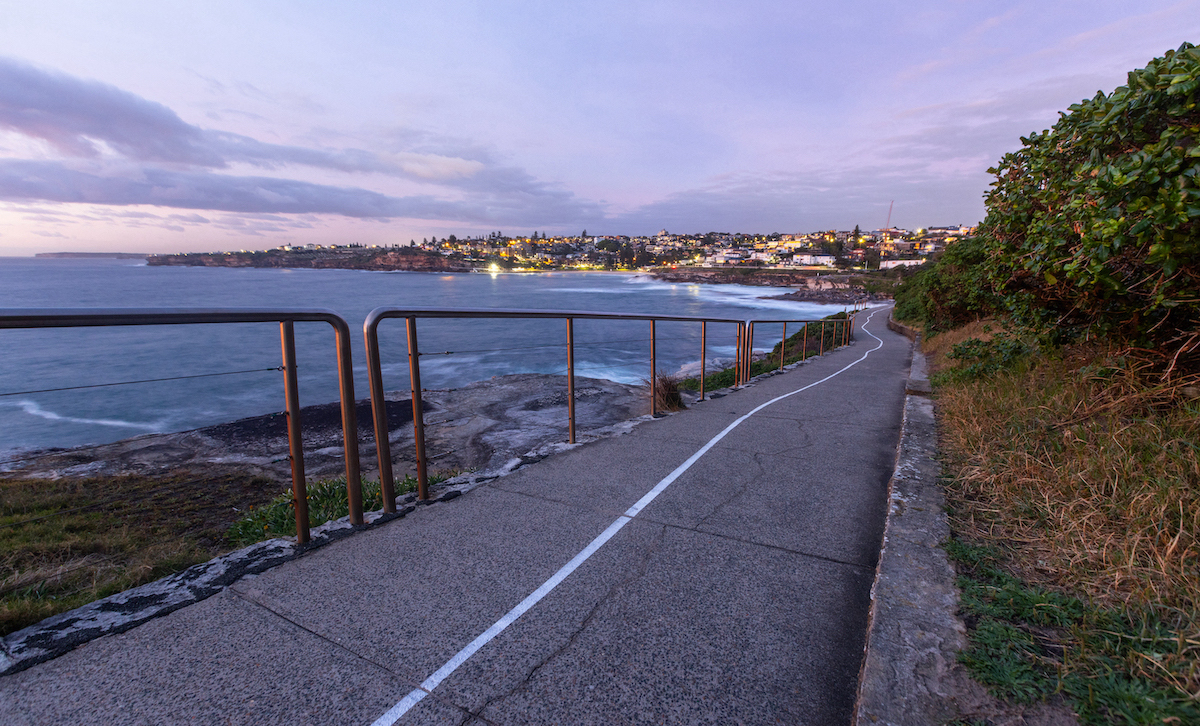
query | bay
[455, 352]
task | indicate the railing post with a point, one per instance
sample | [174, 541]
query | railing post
[737, 353]
[804, 345]
[383, 449]
[822, 338]
[782, 346]
[414, 375]
[750, 351]
[291, 394]
[349, 423]
[703, 353]
[653, 372]
[570, 381]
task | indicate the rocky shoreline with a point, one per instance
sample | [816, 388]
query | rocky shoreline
[481, 426]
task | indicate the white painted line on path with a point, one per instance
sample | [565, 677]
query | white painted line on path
[414, 697]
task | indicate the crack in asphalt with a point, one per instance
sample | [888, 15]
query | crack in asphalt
[648, 519]
[251, 600]
[614, 589]
[739, 491]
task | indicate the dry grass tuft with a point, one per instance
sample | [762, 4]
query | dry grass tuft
[667, 397]
[938, 346]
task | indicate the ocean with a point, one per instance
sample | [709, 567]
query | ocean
[455, 352]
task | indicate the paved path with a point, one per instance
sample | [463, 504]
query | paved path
[738, 595]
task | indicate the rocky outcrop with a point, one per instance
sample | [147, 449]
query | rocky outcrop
[480, 426]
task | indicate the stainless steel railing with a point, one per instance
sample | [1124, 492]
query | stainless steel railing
[286, 317]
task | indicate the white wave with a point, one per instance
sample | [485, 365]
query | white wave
[33, 409]
[758, 298]
[590, 290]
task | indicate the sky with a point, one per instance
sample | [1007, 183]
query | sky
[172, 126]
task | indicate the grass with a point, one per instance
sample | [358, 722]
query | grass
[326, 502]
[805, 343]
[1074, 496]
[1114, 665]
[68, 542]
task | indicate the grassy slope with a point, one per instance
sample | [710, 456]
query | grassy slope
[65, 543]
[1074, 493]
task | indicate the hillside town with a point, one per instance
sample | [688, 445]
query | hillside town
[880, 249]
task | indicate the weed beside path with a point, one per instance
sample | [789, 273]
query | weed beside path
[326, 502]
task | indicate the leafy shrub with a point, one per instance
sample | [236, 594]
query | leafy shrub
[979, 358]
[1092, 226]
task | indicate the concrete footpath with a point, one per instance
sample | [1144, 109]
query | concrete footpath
[739, 594]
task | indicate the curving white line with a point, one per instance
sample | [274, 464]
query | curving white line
[414, 697]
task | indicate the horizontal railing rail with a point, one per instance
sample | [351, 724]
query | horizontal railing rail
[16, 318]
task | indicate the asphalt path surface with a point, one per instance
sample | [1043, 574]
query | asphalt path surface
[713, 566]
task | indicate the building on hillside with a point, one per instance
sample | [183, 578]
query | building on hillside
[891, 264]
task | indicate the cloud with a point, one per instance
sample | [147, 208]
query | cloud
[73, 115]
[121, 149]
[83, 119]
[53, 181]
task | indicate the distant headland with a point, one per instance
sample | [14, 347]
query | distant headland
[109, 255]
[326, 258]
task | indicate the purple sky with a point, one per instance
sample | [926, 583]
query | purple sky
[152, 126]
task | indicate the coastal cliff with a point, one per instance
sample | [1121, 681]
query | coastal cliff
[841, 289]
[353, 258]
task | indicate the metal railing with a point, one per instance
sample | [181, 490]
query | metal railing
[843, 333]
[375, 373]
[13, 318]
[742, 369]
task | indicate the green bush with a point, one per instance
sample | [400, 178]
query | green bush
[1092, 226]
[952, 291]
